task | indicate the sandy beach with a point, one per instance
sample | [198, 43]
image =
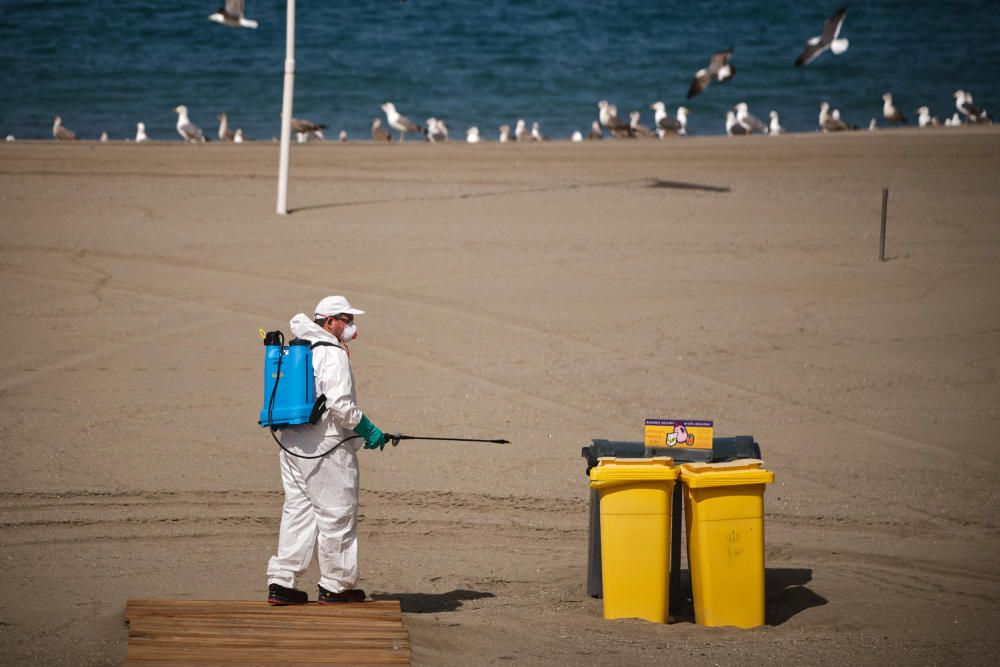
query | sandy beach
[548, 294]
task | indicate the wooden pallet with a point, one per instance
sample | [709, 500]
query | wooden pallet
[218, 632]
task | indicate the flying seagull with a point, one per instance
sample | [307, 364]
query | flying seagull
[827, 40]
[718, 69]
[890, 112]
[188, 130]
[398, 122]
[60, 132]
[231, 15]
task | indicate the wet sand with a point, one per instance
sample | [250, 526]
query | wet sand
[548, 294]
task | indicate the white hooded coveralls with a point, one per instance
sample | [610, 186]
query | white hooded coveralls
[321, 495]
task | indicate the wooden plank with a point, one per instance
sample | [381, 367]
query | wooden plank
[164, 633]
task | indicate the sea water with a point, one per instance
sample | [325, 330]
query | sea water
[104, 65]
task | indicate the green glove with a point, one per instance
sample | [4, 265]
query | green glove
[374, 438]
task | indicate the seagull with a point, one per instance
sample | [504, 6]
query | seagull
[924, 118]
[60, 132]
[10, 137]
[306, 128]
[663, 122]
[830, 122]
[638, 129]
[954, 121]
[104, 136]
[504, 134]
[188, 130]
[140, 133]
[872, 125]
[682, 118]
[521, 131]
[972, 113]
[595, 132]
[608, 115]
[225, 134]
[718, 69]
[379, 133]
[827, 40]
[835, 124]
[238, 136]
[342, 137]
[775, 127]
[400, 123]
[536, 132]
[436, 131]
[890, 112]
[748, 120]
[576, 137]
[472, 135]
[231, 15]
[733, 126]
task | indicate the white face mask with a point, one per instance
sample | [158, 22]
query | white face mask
[349, 333]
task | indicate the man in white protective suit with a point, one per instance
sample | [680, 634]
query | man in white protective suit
[321, 494]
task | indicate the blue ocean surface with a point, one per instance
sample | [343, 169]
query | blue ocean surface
[104, 65]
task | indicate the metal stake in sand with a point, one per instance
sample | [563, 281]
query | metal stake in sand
[881, 239]
[286, 109]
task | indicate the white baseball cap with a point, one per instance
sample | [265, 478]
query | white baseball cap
[335, 305]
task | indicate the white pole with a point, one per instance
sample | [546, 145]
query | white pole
[286, 110]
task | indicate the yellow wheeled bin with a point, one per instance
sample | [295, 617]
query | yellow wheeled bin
[724, 512]
[635, 535]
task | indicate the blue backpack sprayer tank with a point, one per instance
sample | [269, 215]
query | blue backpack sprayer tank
[290, 392]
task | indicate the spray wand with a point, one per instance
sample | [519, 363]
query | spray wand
[394, 438]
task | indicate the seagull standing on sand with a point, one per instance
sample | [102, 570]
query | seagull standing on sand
[225, 134]
[379, 133]
[521, 131]
[231, 15]
[973, 114]
[238, 136]
[342, 137]
[140, 133]
[830, 122]
[306, 129]
[398, 122]
[775, 126]
[733, 126]
[472, 135]
[638, 129]
[536, 132]
[504, 134]
[662, 121]
[576, 137]
[718, 69]
[890, 112]
[827, 40]
[188, 130]
[608, 115]
[954, 121]
[436, 131]
[924, 118]
[61, 132]
[595, 132]
[748, 120]
[104, 136]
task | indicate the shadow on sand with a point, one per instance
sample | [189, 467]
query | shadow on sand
[432, 603]
[681, 185]
[785, 595]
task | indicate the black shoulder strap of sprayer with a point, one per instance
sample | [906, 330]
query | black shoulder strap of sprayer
[323, 343]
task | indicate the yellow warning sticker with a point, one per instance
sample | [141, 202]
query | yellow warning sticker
[686, 433]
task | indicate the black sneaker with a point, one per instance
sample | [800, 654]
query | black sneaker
[351, 595]
[279, 595]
